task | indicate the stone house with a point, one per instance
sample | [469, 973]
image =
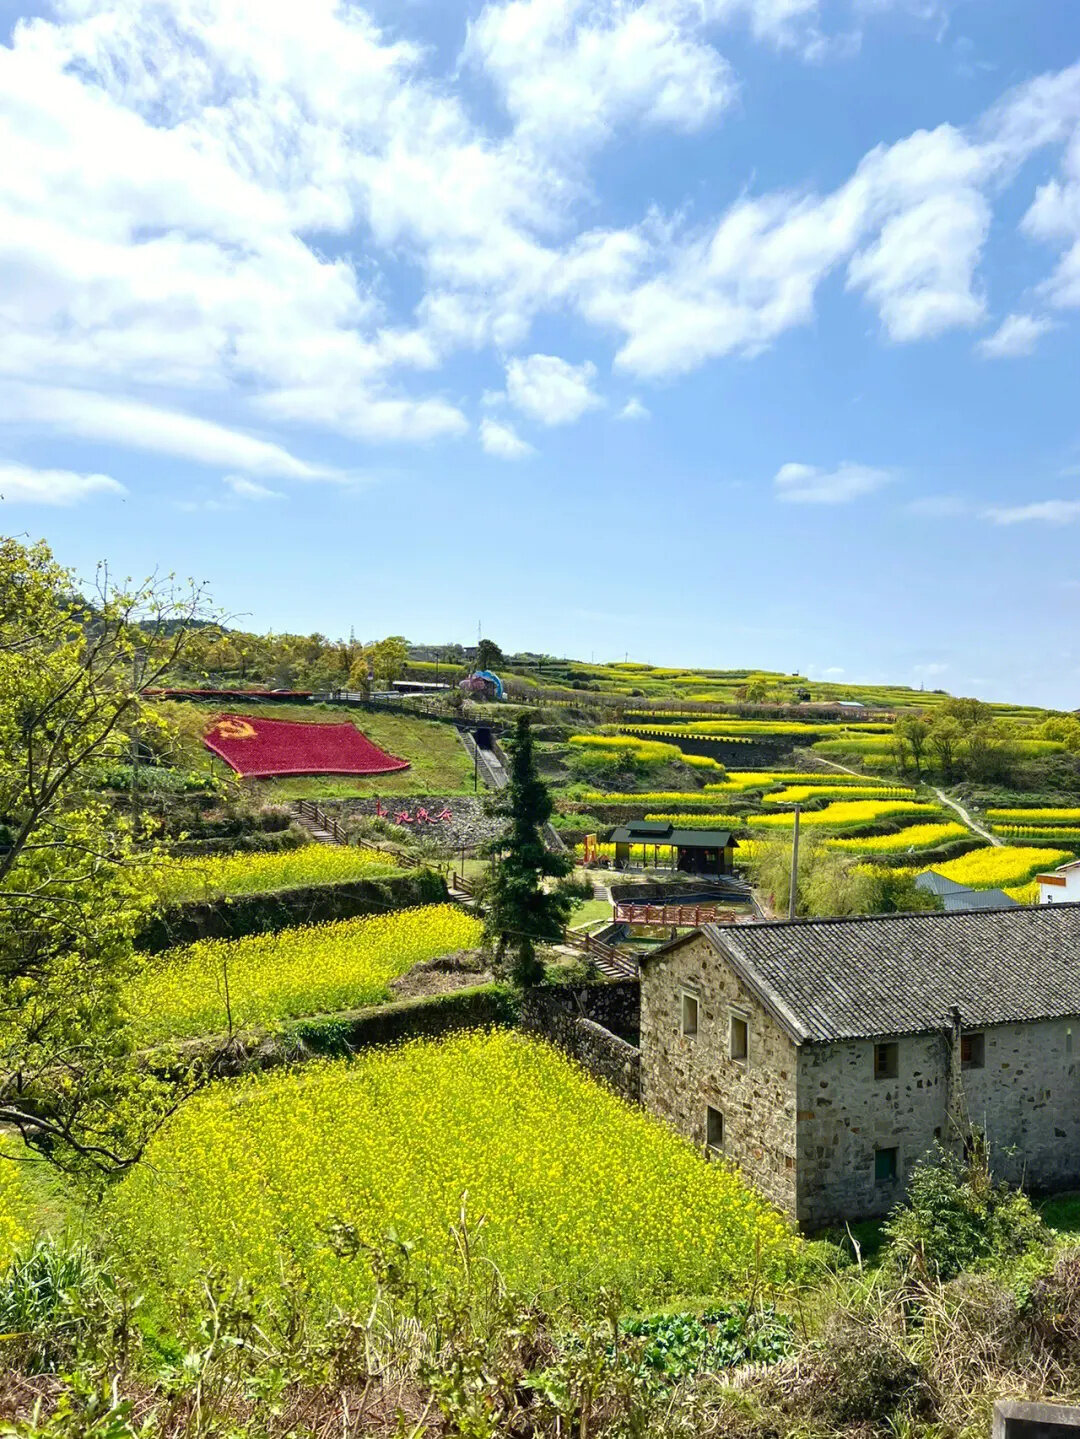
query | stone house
[826, 1057]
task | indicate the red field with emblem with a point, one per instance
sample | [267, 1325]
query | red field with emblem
[262, 747]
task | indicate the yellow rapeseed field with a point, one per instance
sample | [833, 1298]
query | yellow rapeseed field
[849, 814]
[916, 836]
[1035, 816]
[1001, 865]
[567, 1187]
[207, 878]
[308, 970]
[800, 793]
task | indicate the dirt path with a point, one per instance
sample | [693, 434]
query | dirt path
[952, 804]
[972, 825]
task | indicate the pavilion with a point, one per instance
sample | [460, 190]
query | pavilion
[696, 851]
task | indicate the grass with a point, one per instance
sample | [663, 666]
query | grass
[566, 1187]
[588, 911]
[437, 758]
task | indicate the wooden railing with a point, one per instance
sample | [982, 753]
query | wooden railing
[308, 809]
[680, 915]
[606, 957]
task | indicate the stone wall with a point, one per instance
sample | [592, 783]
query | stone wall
[1025, 1097]
[681, 1075]
[576, 1018]
[231, 917]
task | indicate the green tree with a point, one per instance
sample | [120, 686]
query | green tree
[910, 735]
[73, 884]
[520, 912]
[488, 655]
[387, 659]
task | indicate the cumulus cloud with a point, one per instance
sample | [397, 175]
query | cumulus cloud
[550, 389]
[1046, 512]
[22, 484]
[1016, 335]
[503, 441]
[213, 209]
[808, 485]
[633, 410]
[147, 427]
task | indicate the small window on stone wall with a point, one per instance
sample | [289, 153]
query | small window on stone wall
[886, 1060]
[972, 1051]
[886, 1165]
[740, 1038]
[714, 1128]
[689, 1013]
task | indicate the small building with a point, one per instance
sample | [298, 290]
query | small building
[955, 896]
[695, 851]
[1062, 886]
[827, 1057]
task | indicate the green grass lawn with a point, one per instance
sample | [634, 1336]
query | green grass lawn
[587, 911]
[437, 758]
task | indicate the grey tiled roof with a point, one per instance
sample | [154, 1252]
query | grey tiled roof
[978, 899]
[903, 973]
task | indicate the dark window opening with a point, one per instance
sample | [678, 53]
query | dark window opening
[714, 1128]
[972, 1051]
[885, 1166]
[689, 1014]
[740, 1038]
[886, 1060]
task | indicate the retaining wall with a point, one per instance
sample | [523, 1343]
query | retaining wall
[231, 917]
[577, 1019]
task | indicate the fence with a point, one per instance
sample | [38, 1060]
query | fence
[308, 809]
[680, 915]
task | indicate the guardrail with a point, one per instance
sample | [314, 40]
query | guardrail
[608, 960]
[308, 809]
[686, 916]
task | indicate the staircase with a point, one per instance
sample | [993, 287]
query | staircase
[318, 823]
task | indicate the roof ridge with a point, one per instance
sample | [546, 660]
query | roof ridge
[900, 914]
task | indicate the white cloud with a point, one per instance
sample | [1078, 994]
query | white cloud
[809, 485]
[1047, 512]
[246, 489]
[146, 427]
[21, 484]
[1016, 335]
[568, 72]
[550, 389]
[503, 441]
[633, 410]
[216, 200]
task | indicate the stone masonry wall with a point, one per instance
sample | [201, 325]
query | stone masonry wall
[681, 1075]
[1025, 1097]
[561, 1014]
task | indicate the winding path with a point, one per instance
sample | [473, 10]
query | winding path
[972, 824]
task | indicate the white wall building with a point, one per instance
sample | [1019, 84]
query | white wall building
[1062, 886]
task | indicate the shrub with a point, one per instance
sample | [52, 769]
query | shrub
[53, 1297]
[678, 1345]
[863, 1374]
[956, 1216]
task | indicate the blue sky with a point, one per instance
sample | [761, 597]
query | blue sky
[719, 332]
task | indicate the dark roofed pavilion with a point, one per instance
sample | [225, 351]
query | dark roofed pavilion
[697, 851]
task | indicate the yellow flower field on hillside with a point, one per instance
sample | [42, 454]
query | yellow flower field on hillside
[309, 970]
[216, 875]
[847, 814]
[916, 836]
[566, 1187]
[994, 866]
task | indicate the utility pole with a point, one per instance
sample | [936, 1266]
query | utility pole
[794, 865]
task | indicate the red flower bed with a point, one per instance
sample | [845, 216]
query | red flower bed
[259, 747]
